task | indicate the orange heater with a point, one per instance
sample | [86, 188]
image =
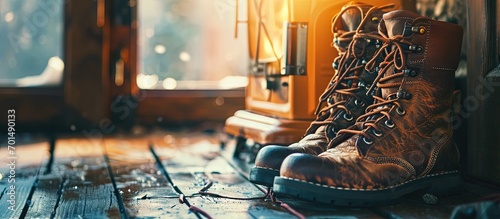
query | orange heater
[290, 48]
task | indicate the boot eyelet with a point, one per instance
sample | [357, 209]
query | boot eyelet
[413, 73]
[376, 133]
[421, 29]
[420, 49]
[361, 84]
[348, 117]
[359, 103]
[330, 100]
[416, 48]
[400, 94]
[367, 141]
[335, 65]
[373, 70]
[389, 123]
[375, 19]
[400, 111]
[403, 95]
[410, 72]
[332, 132]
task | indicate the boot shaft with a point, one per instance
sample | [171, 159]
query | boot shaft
[435, 49]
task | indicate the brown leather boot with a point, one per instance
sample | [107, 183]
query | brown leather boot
[357, 40]
[404, 141]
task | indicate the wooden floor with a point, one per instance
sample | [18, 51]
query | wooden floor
[119, 177]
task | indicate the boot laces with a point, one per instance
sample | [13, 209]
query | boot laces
[351, 60]
[381, 107]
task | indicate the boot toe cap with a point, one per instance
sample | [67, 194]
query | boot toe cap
[348, 172]
[271, 157]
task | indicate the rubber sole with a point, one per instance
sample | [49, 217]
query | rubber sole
[263, 176]
[438, 184]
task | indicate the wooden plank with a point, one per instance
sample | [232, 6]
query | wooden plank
[144, 190]
[14, 199]
[19, 168]
[45, 197]
[88, 202]
[87, 191]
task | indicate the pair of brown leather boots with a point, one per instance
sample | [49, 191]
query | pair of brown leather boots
[385, 130]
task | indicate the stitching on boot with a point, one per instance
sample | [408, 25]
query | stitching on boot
[435, 153]
[366, 190]
[267, 168]
[396, 161]
[398, 18]
[445, 69]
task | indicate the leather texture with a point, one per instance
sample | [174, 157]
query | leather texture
[406, 134]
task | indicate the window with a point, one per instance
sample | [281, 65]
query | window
[191, 44]
[31, 32]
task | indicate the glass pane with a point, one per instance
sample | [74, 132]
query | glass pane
[31, 48]
[190, 44]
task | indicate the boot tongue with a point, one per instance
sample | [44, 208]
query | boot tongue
[351, 19]
[395, 21]
[347, 22]
[388, 91]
